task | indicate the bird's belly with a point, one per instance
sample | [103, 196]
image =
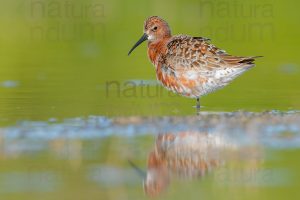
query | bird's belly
[190, 84]
[193, 86]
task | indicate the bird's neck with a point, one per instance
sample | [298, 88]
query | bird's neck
[157, 48]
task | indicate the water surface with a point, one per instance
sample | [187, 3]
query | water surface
[79, 119]
[214, 155]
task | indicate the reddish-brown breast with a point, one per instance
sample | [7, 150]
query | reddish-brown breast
[156, 49]
[156, 52]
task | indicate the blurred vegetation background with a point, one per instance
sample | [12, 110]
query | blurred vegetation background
[69, 58]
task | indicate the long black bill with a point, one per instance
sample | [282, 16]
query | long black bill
[142, 39]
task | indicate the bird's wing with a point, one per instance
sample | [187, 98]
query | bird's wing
[196, 53]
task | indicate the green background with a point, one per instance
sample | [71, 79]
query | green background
[61, 57]
[57, 59]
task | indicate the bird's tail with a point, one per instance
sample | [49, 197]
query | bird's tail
[240, 61]
[249, 60]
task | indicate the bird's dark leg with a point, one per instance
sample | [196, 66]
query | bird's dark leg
[198, 105]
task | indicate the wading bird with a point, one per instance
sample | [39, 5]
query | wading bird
[189, 66]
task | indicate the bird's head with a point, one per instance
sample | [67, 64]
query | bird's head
[155, 29]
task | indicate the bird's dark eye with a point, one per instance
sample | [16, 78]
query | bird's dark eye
[155, 28]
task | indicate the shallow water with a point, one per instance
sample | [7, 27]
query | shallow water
[213, 155]
[68, 94]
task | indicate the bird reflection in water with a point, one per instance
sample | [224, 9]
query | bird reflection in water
[190, 155]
